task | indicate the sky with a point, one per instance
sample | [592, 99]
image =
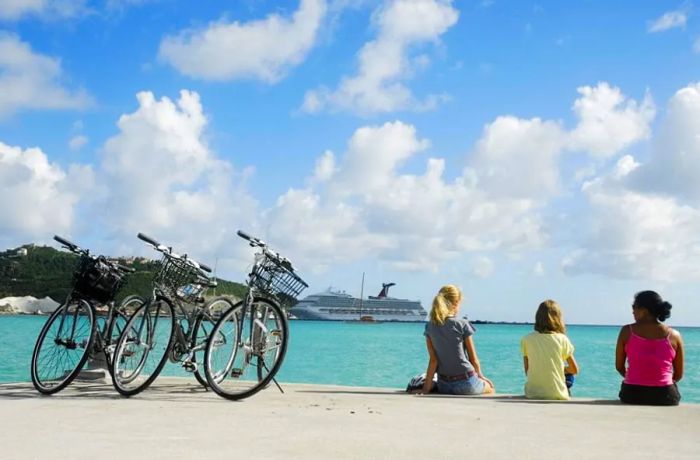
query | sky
[520, 150]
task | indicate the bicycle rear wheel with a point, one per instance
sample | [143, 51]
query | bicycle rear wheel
[117, 324]
[143, 347]
[203, 327]
[63, 346]
[246, 349]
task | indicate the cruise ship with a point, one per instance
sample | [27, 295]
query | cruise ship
[340, 306]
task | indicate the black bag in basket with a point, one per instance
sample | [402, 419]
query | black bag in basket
[98, 280]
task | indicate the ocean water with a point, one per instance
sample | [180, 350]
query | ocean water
[389, 354]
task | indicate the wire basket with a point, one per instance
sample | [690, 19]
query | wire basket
[273, 277]
[178, 278]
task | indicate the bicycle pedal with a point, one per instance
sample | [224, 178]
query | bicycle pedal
[236, 373]
[189, 366]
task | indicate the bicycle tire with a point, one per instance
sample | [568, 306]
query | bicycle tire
[147, 317]
[117, 323]
[233, 382]
[82, 344]
[203, 326]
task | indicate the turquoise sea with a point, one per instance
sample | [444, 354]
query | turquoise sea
[389, 354]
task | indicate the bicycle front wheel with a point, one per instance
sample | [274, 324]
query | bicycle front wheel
[246, 349]
[63, 346]
[143, 347]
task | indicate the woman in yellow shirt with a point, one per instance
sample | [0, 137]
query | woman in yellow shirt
[544, 353]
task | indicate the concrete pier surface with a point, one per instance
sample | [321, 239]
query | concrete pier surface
[176, 418]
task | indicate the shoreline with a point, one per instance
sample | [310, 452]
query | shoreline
[476, 322]
[329, 421]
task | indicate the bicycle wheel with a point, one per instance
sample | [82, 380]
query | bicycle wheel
[203, 326]
[143, 347]
[63, 346]
[120, 316]
[246, 349]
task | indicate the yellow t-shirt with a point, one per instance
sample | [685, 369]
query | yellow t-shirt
[546, 354]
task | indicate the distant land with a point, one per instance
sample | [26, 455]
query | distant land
[43, 271]
[519, 323]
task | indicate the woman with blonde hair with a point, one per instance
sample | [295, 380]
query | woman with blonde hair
[544, 353]
[451, 349]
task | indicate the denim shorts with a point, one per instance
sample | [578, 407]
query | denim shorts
[471, 386]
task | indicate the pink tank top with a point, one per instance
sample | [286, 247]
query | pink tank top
[650, 361]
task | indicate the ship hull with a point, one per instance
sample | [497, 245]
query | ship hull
[311, 315]
[346, 308]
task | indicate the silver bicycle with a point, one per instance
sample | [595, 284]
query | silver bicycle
[248, 344]
[175, 323]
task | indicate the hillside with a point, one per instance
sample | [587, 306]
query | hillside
[42, 271]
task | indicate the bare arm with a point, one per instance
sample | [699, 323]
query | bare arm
[471, 352]
[678, 360]
[571, 365]
[432, 367]
[526, 364]
[620, 356]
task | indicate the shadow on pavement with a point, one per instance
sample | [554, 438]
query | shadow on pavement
[94, 390]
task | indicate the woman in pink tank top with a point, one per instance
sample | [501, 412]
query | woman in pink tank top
[649, 354]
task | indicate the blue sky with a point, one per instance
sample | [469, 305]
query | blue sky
[522, 150]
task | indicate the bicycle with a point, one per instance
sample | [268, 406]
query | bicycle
[71, 336]
[249, 342]
[174, 323]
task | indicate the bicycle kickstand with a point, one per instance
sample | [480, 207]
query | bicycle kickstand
[278, 385]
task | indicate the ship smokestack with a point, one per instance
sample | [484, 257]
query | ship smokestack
[384, 293]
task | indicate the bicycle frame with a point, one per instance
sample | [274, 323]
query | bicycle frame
[251, 293]
[182, 340]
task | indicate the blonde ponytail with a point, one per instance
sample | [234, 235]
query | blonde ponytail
[445, 303]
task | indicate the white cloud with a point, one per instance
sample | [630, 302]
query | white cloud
[45, 9]
[483, 267]
[264, 49]
[668, 20]
[77, 142]
[608, 121]
[637, 235]
[509, 147]
[162, 179]
[325, 167]
[538, 269]
[674, 165]
[370, 208]
[644, 218]
[362, 204]
[39, 195]
[31, 81]
[385, 62]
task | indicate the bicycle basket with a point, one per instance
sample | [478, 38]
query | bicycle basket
[272, 277]
[97, 280]
[178, 278]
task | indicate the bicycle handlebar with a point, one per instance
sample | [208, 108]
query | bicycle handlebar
[169, 252]
[244, 235]
[66, 243]
[257, 242]
[206, 268]
[148, 239]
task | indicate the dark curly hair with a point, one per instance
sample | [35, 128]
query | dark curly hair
[653, 303]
